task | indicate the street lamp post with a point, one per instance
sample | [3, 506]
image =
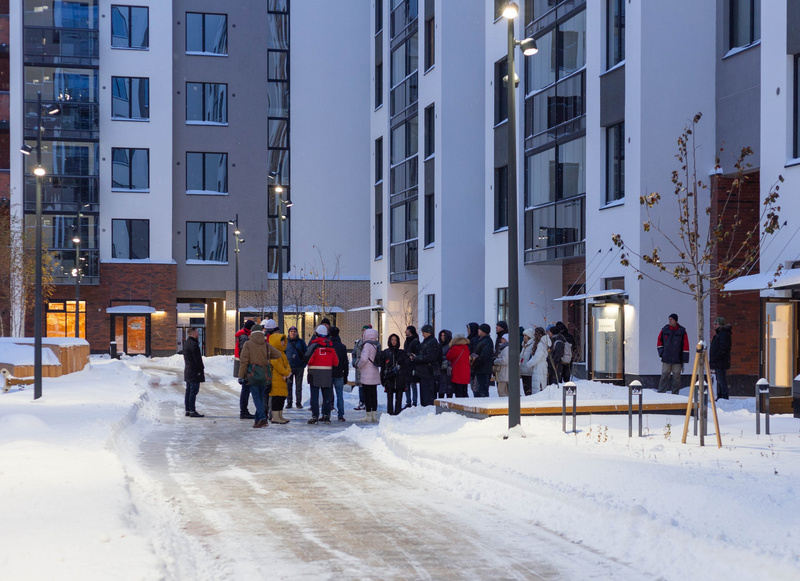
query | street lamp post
[237, 240]
[77, 274]
[510, 12]
[39, 172]
[281, 203]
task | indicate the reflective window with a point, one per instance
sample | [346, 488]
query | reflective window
[207, 103]
[501, 197]
[405, 141]
[500, 91]
[130, 98]
[207, 241]
[206, 173]
[61, 84]
[615, 162]
[206, 33]
[130, 27]
[130, 239]
[745, 22]
[615, 32]
[130, 169]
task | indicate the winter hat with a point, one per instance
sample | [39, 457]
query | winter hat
[427, 329]
[325, 321]
[720, 320]
[365, 327]
[248, 324]
[552, 329]
[322, 331]
[256, 328]
[503, 325]
[270, 325]
[485, 328]
[333, 332]
[674, 316]
[293, 327]
[529, 333]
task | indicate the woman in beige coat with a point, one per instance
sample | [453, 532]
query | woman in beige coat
[256, 351]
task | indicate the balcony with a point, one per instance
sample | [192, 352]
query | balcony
[404, 14]
[404, 262]
[404, 94]
[74, 121]
[61, 46]
[65, 194]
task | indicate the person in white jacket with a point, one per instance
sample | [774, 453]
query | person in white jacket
[501, 366]
[525, 370]
[538, 360]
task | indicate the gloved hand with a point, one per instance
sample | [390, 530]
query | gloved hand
[241, 381]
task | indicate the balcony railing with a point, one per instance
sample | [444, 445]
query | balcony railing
[404, 14]
[404, 94]
[66, 194]
[65, 263]
[61, 46]
[74, 121]
[404, 263]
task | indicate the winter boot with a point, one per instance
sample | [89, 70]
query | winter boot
[280, 419]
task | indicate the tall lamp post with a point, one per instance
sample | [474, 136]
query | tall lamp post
[39, 172]
[237, 240]
[281, 203]
[77, 271]
[528, 46]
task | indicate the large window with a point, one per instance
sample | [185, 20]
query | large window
[404, 76]
[130, 98]
[796, 148]
[430, 130]
[130, 27]
[379, 198]
[206, 33]
[206, 242]
[745, 22]
[500, 91]
[430, 42]
[615, 32]
[130, 169]
[130, 239]
[61, 319]
[404, 239]
[430, 310]
[615, 162]
[502, 304]
[405, 141]
[501, 197]
[206, 173]
[430, 218]
[207, 103]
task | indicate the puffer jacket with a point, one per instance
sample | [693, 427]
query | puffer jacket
[428, 361]
[525, 353]
[485, 352]
[458, 356]
[538, 364]
[257, 352]
[280, 366]
[370, 358]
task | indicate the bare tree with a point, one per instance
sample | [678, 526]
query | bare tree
[327, 274]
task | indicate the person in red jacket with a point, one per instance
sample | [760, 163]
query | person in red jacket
[673, 348]
[244, 397]
[458, 356]
[321, 358]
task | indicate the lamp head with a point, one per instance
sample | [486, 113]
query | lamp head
[76, 240]
[26, 149]
[39, 171]
[528, 47]
[53, 110]
[510, 10]
[278, 189]
[236, 232]
[289, 204]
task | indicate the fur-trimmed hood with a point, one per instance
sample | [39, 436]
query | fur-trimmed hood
[459, 339]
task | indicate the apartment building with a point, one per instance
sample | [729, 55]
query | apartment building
[172, 152]
[599, 111]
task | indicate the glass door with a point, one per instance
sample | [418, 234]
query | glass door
[132, 333]
[780, 345]
[606, 334]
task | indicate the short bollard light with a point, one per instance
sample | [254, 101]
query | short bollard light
[635, 388]
[762, 391]
[570, 389]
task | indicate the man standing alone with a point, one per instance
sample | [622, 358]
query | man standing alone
[673, 348]
[719, 355]
[193, 372]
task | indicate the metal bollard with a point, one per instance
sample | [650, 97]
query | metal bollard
[635, 388]
[762, 390]
[112, 349]
[569, 389]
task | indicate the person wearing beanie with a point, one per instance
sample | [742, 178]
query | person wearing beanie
[411, 347]
[321, 358]
[571, 346]
[427, 364]
[339, 373]
[280, 372]
[673, 348]
[501, 328]
[556, 356]
[355, 356]
[719, 355]
[296, 353]
[244, 396]
[482, 360]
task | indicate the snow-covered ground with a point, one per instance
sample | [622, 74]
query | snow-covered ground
[71, 492]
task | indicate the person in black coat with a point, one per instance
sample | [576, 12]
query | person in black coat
[472, 336]
[193, 372]
[411, 347]
[428, 365]
[393, 374]
[339, 372]
[444, 387]
[482, 360]
[719, 355]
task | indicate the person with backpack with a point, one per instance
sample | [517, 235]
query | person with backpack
[256, 352]
[321, 358]
[393, 379]
[369, 364]
[569, 351]
[339, 373]
[427, 364]
[244, 396]
[501, 366]
[355, 358]
[556, 357]
[280, 372]
[295, 352]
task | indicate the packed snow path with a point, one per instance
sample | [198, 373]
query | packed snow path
[296, 500]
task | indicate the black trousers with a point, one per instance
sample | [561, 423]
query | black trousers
[394, 401]
[527, 384]
[370, 393]
[277, 402]
[460, 389]
[427, 391]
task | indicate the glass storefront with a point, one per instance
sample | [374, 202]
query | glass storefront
[780, 342]
[607, 333]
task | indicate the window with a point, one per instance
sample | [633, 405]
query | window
[430, 130]
[275, 212]
[207, 103]
[404, 228]
[130, 27]
[615, 31]
[498, 8]
[130, 239]
[206, 242]
[502, 304]
[745, 22]
[379, 160]
[130, 169]
[206, 173]
[206, 33]
[430, 219]
[614, 283]
[130, 98]
[500, 91]
[501, 198]
[379, 15]
[405, 141]
[796, 148]
[430, 42]
[378, 221]
[430, 310]
[403, 78]
[378, 85]
[615, 162]
[61, 319]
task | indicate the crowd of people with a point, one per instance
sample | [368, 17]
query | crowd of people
[416, 369]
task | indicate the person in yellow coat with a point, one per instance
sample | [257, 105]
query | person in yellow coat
[280, 372]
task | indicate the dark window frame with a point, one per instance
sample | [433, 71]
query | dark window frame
[430, 43]
[203, 104]
[429, 227]
[615, 32]
[500, 198]
[500, 91]
[203, 34]
[129, 224]
[796, 107]
[146, 45]
[754, 33]
[130, 151]
[430, 130]
[204, 155]
[129, 88]
[205, 250]
[615, 166]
